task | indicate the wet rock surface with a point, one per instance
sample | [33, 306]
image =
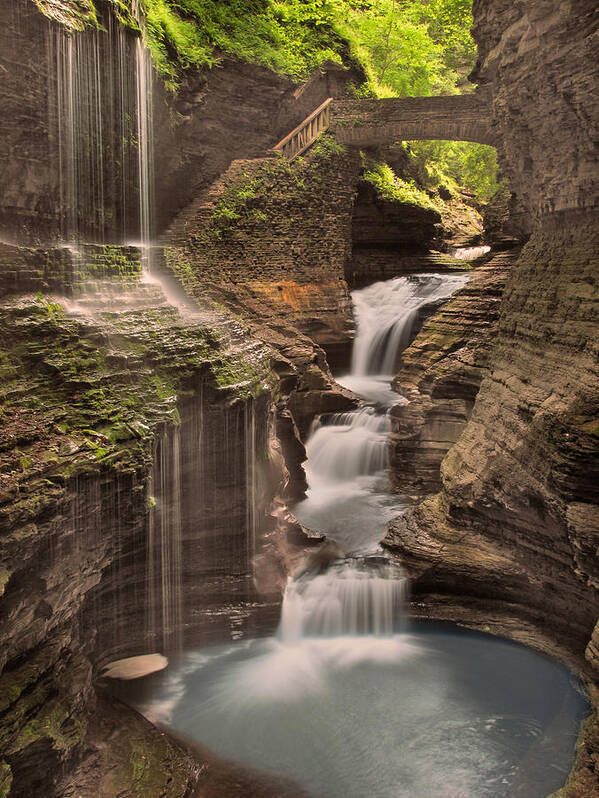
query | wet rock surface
[508, 413]
[440, 375]
[91, 395]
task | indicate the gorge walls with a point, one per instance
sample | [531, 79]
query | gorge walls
[271, 240]
[71, 124]
[539, 62]
[515, 524]
[144, 446]
[120, 449]
[440, 374]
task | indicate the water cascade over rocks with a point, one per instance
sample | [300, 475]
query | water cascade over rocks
[101, 118]
[389, 314]
[342, 699]
[355, 598]
[346, 469]
[347, 453]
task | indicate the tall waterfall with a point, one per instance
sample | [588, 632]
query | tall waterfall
[145, 141]
[100, 111]
[165, 593]
[347, 454]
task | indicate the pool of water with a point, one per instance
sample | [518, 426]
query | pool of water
[439, 712]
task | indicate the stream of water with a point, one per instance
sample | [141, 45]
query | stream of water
[344, 699]
[348, 498]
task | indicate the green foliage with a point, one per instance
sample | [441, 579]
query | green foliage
[5, 779]
[292, 37]
[56, 723]
[405, 47]
[455, 163]
[394, 188]
[420, 47]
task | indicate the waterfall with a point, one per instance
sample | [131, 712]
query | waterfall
[143, 62]
[347, 497]
[100, 112]
[469, 253]
[388, 313]
[351, 598]
[344, 446]
[165, 593]
[250, 481]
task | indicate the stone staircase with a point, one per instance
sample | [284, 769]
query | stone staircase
[197, 214]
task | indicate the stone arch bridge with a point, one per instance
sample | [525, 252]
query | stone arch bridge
[370, 122]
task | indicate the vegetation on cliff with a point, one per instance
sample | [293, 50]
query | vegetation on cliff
[420, 48]
[394, 188]
[404, 49]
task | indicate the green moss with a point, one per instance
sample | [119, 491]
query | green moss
[592, 428]
[8, 369]
[4, 577]
[75, 16]
[5, 779]
[51, 311]
[146, 767]
[237, 205]
[104, 261]
[245, 204]
[55, 723]
[395, 189]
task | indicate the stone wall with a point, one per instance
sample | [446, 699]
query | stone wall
[65, 271]
[235, 111]
[364, 123]
[540, 64]
[272, 240]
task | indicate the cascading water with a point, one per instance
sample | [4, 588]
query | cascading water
[346, 469]
[100, 111]
[388, 316]
[469, 253]
[338, 700]
[143, 62]
[347, 452]
[348, 599]
[93, 108]
[165, 594]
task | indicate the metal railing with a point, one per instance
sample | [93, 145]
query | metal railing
[306, 133]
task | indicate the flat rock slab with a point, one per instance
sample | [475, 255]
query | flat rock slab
[135, 667]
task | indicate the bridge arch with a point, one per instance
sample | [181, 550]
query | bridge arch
[364, 123]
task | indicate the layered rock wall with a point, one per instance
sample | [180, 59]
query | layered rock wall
[440, 374]
[70, 121]
[272, 240]
[540, 64]
[119, 451]
[514, 528]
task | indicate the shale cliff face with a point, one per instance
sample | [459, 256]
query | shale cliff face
[124, 434]
[516, 523]
[440, 375]
[271, 240]
[539, 61]
[68, 96]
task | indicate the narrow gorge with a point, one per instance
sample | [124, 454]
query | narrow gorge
[299, 456]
